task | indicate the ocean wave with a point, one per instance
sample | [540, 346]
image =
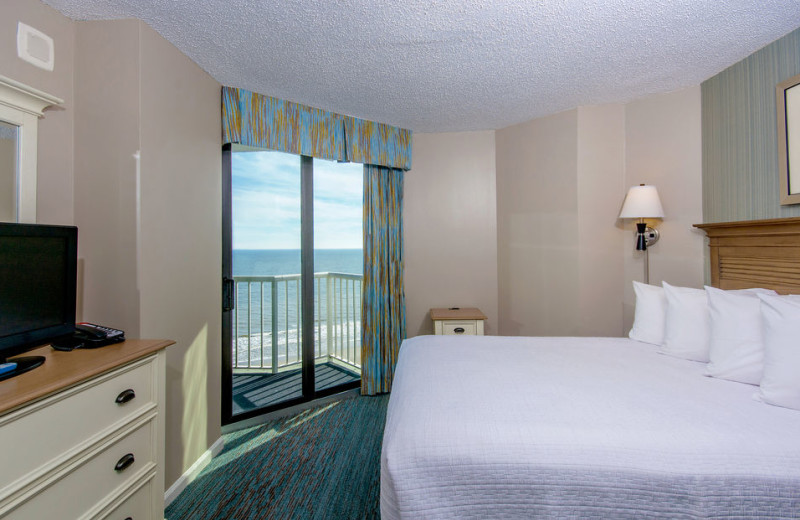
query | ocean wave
[255, 350]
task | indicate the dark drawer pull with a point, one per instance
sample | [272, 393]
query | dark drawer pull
[459, 330]
[128, 518]
[124, 462]
[125, 396]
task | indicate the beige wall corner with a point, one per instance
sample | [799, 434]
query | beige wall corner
[537, 227]
[54, 191]
[106, 141]
[450, 229]
[148, 208]
[664, 148]
[565, 262]
[601, 171]
[181, 223]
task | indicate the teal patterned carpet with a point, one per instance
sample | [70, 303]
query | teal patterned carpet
[323, 463]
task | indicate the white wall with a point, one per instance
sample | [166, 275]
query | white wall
[106, 138]
[664, 148]
[559, 180]
[565, 261]
[150, 231]
[450, 230]
[181, 229]
[537, 226]
[601, 167]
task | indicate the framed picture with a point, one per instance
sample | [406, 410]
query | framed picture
[788, 103]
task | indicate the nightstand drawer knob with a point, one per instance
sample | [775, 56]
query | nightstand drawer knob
[124, 462]
[459, 330]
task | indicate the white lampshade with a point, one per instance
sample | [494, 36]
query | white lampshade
[642, 202]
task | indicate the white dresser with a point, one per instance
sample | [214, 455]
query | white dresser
[82, 436]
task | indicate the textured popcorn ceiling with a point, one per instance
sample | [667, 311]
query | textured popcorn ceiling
[457, 65]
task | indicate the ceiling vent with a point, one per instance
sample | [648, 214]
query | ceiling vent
[35, 47]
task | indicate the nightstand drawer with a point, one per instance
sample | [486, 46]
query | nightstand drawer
[457, 321]
[457, 328]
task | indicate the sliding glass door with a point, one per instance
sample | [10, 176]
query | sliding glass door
[292, 268]
[338, 269]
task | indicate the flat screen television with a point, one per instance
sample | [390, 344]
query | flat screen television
[38, 278]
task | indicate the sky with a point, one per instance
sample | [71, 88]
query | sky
[266, 202]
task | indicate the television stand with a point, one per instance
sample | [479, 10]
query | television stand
[24, 364]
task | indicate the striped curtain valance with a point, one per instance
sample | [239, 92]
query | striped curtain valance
[261, 121]
[379, 144]
[266, 122]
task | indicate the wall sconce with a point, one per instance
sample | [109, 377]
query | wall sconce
[642, 202]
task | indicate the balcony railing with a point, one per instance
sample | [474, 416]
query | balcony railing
[267, 329]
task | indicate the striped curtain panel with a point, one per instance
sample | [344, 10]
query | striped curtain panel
[383, 302]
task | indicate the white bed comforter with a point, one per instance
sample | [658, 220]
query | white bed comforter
[492, 427]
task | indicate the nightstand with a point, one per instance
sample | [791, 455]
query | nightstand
[456, 321]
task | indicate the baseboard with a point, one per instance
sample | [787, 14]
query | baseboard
[191, 473]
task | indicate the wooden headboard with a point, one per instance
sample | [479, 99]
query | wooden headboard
[755, 253]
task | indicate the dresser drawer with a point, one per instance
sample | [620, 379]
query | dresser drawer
[56, 429]
[457, 328]
[95, 479]
[138, 506]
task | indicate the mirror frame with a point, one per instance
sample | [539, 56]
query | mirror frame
[22, 106]
[787, 195]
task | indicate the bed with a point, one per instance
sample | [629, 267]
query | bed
[499, 427]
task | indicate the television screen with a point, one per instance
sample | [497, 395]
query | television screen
[38, 266]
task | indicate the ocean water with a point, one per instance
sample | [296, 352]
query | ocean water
[256, 262]
[254, 306]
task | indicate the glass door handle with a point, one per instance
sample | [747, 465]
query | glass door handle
[228, 294]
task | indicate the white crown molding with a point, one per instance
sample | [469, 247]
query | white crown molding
[22, 97]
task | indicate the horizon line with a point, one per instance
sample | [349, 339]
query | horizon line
[298, 249]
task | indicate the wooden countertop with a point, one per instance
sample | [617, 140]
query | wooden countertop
[64, 369]
[462, 313]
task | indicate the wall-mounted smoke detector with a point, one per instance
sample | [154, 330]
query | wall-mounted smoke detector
[35, 47]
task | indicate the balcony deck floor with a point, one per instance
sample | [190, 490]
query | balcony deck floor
[260, 390]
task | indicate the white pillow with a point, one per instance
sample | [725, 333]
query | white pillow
[686, 323]
[651, 307]
[780, 384]
[736, 348]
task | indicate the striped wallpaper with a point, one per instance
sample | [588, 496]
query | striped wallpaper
[740, 151]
